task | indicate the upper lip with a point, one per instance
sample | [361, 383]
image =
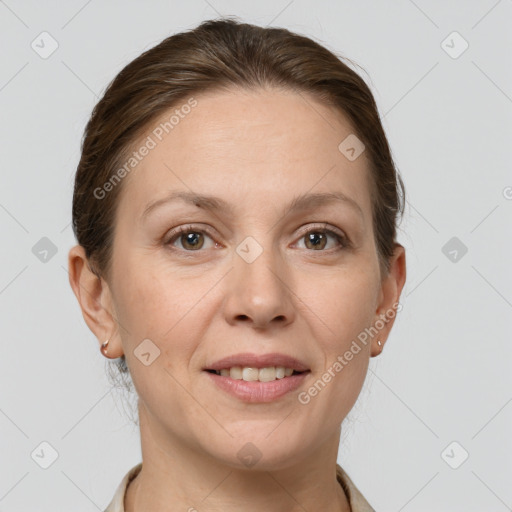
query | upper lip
[258, 361]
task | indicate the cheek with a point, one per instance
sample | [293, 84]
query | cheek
[340, 307]
[150, 298]
[151, 308]
[155, 304]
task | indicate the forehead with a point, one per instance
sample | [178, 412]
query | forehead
[251, 147]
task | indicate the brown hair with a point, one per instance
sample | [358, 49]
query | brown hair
[220, 54]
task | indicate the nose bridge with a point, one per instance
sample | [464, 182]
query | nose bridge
[259, 291]
[259, 263]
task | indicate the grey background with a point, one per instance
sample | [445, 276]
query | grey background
[445, 373]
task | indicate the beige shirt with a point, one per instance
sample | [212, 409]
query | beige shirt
[355, 498]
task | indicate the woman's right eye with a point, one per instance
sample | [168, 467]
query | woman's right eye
[191, 239]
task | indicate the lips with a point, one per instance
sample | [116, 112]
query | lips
[258, 361]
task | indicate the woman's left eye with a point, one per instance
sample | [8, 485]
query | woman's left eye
[316, 239]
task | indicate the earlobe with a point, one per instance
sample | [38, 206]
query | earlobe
[94, 298]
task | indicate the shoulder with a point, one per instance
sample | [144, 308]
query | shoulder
[117, 502]
[357, 501]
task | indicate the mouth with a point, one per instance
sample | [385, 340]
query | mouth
[254, 377]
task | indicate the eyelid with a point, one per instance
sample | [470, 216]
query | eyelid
[323, 226]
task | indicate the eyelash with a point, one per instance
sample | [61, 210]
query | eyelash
[186, 229]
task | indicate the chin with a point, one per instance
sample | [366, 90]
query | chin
[262, 453]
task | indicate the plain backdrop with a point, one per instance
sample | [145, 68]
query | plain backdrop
[441, 391]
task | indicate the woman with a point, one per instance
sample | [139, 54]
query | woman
[235, 207]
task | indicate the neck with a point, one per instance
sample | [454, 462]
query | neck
[178, 476]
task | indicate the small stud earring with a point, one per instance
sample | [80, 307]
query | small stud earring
[104, 348]
[379, 343]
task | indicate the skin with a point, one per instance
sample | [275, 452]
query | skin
[256, 150]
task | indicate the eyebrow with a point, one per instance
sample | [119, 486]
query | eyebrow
[211, 203]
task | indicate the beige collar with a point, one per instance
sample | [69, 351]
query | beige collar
[357, 501]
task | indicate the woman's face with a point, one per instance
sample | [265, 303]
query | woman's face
[250, 274]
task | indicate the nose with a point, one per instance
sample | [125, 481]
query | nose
[260, 292]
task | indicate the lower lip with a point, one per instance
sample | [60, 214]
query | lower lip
[256, 391]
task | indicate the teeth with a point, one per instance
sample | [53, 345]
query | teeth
[250, 374]
[256, 374]
[235, 372]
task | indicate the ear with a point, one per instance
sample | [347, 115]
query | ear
[95, 299]
[391, 288]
